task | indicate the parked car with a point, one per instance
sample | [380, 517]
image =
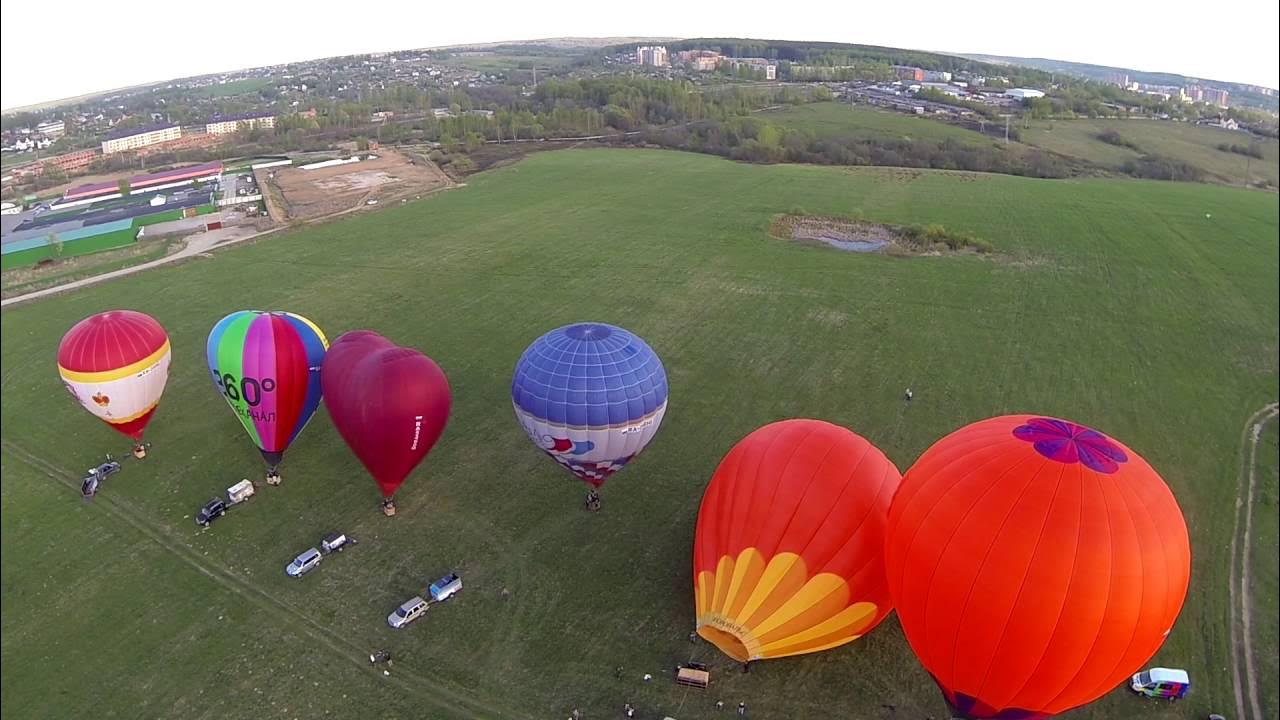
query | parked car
[304, 563]
[1167, 683]
[409, 611]
[95, 475]
[211, 511]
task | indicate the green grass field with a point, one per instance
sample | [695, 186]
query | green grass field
[235, 87]
[833, 119]
[1265, 585]
[1115, 303]
[508, 63]
[1183, 141]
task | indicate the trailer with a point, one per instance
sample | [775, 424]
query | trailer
[445, 587]
[240, 492]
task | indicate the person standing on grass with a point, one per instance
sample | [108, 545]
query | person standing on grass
[742, 709]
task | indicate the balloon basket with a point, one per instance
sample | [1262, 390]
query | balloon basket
[273, 478]
[139, 452]
[389, 509]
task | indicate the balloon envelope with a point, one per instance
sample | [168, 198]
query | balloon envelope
[787, 554]
[116, 364]
[591, 396]
[350, 348]
[1035, 564]
[390, 404]
[266, 365]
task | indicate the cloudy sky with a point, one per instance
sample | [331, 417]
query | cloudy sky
[74, 47]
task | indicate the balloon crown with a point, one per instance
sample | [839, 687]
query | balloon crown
[588, 331]
[1066, 442]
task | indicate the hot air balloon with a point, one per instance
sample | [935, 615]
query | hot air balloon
[266, 365]
[591, 396]
[1035, 564]
[390, 404]
[787, 552]
[115, 364]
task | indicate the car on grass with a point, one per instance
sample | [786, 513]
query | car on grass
[304, 563]
[1165, 683]
[211, 511]
[408, 611]
[95, 476]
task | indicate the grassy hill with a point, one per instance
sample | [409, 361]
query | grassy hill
[1077, 140]
[1182, 141]
[832, 119]
[1116, 303]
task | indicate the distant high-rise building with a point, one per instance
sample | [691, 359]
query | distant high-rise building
[909, 73]
[654, 55]
[1118, 79]
[1215, 96]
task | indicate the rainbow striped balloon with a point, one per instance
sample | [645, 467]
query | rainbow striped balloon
[266, 365]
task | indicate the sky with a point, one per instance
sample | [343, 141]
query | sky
[89, 45]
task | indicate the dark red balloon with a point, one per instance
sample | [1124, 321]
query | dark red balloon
[390, 404]
[349, 348]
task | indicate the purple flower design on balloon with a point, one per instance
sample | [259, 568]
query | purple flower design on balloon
[1067, 442]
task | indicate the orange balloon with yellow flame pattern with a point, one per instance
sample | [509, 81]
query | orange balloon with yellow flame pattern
[788, 553]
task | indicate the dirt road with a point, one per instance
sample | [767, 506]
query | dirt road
[198, 244]
[1245, 685]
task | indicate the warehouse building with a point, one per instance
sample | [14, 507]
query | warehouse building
[1023, 93]
[142, 183]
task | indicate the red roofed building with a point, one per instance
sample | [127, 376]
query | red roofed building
[142, 182]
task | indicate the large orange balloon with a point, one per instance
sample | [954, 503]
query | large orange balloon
[787, 557]
[1035, 564]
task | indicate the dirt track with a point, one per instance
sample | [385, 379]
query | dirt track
[1241, 545]
[198, 244]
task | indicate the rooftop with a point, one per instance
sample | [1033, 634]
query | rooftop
[129, 132]
[240, 116]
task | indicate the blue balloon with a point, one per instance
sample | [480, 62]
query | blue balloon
[591, 396]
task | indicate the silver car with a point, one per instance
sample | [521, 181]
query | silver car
[408, 612]
[303, 564]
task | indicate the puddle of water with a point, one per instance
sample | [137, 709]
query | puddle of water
[853, 245]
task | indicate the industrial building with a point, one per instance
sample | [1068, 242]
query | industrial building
[52, 129]
[138, 137]
[67, 162]
[1023, 93]
[226, 124]
[152, 181]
